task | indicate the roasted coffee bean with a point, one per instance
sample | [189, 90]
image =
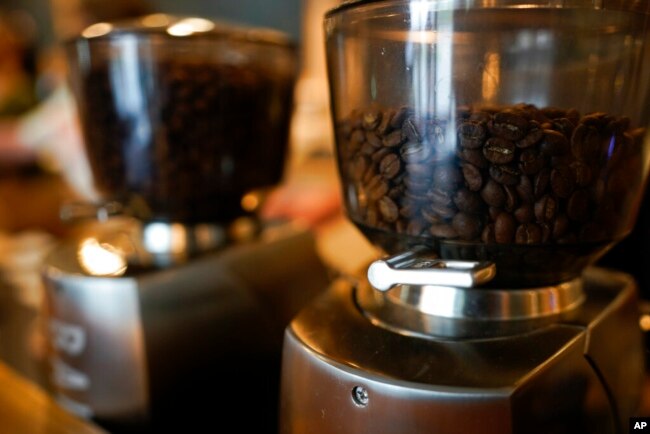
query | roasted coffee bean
[493, 194]
[562, 181]
[416, 186]
[578, 206]
[357, 137]
[443, 210]
[430, 216]
[528, 233]
[535, 134]
[509, 125]
[474, 156]
[512, 198]
[390, 166]
[473, 177]
[585, 142]
[488, 236]
[506, 175]
[560, 226]
[373, 139]
[410, 130]
[499, 151]
[384, 126]
[210, 136]
[468, 201]
[547, 232]
[399, 117]
[525, 213]
[388, 209]
[368, 149]
[480, 116]
[371, 119]
[471, 134]
[554, 143]
[414, 152]
[541, 182]
[415, 228]
[540, 187]
[525, 189]
[419, 171]
[377, 188]
[443, 231]
[467, 226]
[396, 193]
[494, 212]
[441, 196]
[393, 139]
[564, 126]
[447, 177]
[504, 228]
[531, 161]
[546, 208]
[359, 167]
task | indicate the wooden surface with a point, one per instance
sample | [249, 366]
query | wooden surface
[26, 409]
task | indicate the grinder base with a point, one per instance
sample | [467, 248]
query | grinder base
[581, 372]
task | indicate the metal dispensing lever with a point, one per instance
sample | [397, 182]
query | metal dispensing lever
[410, 269]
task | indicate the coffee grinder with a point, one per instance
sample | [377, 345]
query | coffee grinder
[494, 151]
[173, 290]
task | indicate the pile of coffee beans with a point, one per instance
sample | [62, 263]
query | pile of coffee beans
[183, 139]
[515, 175]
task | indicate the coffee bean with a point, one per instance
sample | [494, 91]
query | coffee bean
[493, 194]
[399, 117]
[474, 156]
[531, 161]
[562, 181]
[509, 125]
[499, 151]
[535, 134]
[471, 135]
[554, 143]
[359, 167]
[525, 189]
[388, 209]
[560, 226]
[468, 201]
[414, 152]
[506, 175]
[488, 236]
[384, 126]
[447, 177]
[393, 139]
[467, 226]
[578, 206]
[541, 182]
[546, 208]
[528, 233]
[373, 139]
[473, 176]
[564, 126]
[525, 213]
[410, 130]
[538, 188]
[512, 198]
[443, 231]
[390, 166]
[504, 228]
[377, 188]
[371, 119]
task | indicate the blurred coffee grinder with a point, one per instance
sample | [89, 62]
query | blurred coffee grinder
[174, 288]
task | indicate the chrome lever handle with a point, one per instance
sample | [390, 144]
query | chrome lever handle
[410, 269]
